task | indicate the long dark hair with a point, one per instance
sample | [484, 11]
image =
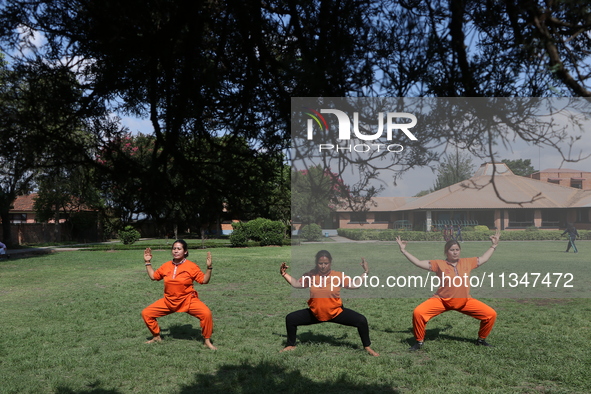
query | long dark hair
[185, 246]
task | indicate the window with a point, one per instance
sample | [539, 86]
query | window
[521, 218]
[583, 215]
[576, 183]
[358, 217]
[17, 218]
[383, 217]
[551, 217]
[485, 218]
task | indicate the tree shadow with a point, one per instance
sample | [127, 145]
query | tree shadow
[266, 377]
[65, 390]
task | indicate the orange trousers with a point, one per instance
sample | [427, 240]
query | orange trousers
[197, 309]
[468, 306]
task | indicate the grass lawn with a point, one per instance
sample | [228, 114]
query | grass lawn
[71, 324]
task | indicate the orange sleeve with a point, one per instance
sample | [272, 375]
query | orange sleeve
[161, 271]
[197, 274]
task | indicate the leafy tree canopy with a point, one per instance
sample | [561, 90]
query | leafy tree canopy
[521, 167]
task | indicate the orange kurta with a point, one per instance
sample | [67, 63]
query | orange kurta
[453, 297]
[179, 296]
[446, 272]
[178, 283]
[325, 296]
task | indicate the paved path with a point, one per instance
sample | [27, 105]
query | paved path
[338, 238]
[24, 252]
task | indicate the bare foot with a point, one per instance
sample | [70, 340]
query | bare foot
[209, 344]
[287, 349]
[156, 338]
[371, 351]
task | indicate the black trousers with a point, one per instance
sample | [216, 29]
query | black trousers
[347, 317]
[571, 242]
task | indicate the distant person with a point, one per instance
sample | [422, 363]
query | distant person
[179, 294]
[447, 233]
[325, 304]
[572, 232]
[452, 295]
[459, 234]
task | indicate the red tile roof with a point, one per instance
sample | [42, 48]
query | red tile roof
[24, 203]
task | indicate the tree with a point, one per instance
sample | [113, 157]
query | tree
[315, 192]
[521, 167]
[199, 70]
[455, 168]
[214, 175]
[38, 119]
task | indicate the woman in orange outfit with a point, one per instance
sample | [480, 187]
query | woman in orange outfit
[179, 294]
[325, 303]
[449, 297]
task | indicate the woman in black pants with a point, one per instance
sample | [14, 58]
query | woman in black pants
[325, 304]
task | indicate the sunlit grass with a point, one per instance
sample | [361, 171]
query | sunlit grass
[71, 324]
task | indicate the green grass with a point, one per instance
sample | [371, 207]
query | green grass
[71, 324]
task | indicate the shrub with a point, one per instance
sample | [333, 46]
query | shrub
[311, 232]
[238, 236]
[480, 228]
[129, 235]
[263, 231]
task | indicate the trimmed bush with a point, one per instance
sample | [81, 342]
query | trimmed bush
[481, 228]
[129, 235]
[263, 231]
[311, 232]
[238, 236]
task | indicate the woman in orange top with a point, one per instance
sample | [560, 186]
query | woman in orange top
[325, 303]
[179, 294]
[449, 296]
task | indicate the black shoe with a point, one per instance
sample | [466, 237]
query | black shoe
[482, 342]
[416, 346]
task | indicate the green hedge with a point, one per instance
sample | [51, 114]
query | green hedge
[262, 231]
[518, 235]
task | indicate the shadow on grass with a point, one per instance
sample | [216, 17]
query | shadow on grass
[310, 337]
[270, 378]
[65, 390]
[432, 334]
[183, 331]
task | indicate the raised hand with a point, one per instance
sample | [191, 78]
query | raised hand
[147, 255]
[283, 269]
[495, 238]
[401, 243]
[364, 265]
